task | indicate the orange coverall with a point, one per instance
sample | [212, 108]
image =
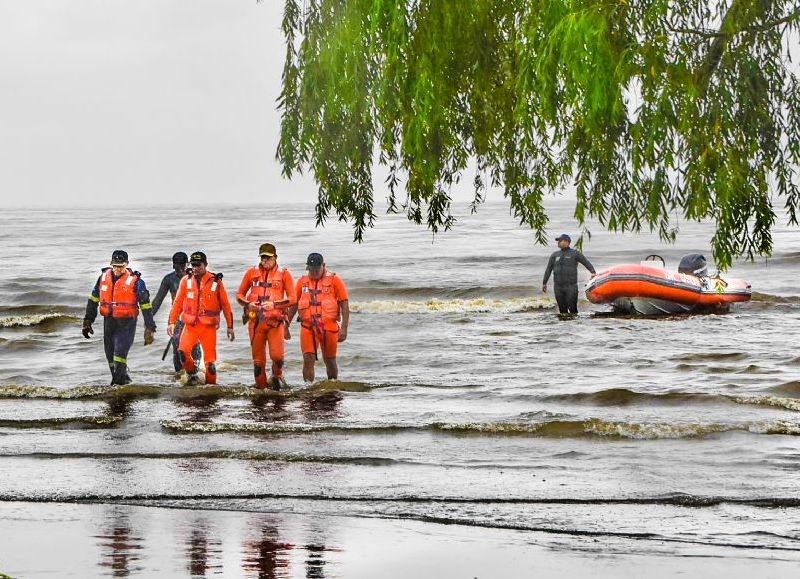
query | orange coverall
[261, 286]
[199, 301]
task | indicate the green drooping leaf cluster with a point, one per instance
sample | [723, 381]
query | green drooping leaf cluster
[653, 110]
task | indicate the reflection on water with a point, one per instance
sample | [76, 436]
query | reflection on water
[263, 409]
[315, 562]
[196, 543]
[204, 541]
[120, 547]
[203, 555]
[323, 406]
[267, 556]
[199, 409]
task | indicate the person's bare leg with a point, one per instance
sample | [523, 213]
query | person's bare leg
[308, 367]
[332, 368]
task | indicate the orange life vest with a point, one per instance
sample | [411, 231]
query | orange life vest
[201, 303]
[267, 288]
[317, 304]
[118, 298]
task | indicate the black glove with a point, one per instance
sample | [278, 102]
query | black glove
[148, 336]
[87, 330]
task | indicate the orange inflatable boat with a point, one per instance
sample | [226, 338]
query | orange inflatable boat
[647, 288]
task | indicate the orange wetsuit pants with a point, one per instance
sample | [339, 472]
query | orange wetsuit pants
[313, 339]
[261, 336]
[207, 335]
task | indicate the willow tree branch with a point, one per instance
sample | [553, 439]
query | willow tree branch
[738, 12]
[706, 33]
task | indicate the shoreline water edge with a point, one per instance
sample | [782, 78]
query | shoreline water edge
[471, 433]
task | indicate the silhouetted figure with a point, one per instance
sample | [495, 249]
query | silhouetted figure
[267, 555]
[120, 547]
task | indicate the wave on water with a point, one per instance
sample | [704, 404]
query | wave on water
[613, 429]
[188, 427]
[552, 429]
[590, 428]
[625, 397]
[787, 403]
[35, 320]
[22, 344]
[77, 392]
[788, 388]
[377, 289]
[80, 422]
[456, 306]
[774, 299]
[248, 455]
[190, 501]
[134, 391]
[711, 356]
[6, 310]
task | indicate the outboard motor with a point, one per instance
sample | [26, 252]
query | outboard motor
[693, 264]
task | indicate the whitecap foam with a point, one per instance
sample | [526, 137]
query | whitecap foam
[778, 427]
[477, 305]
[654, 430]
[31, 320]
[778, 402]
[18, 391]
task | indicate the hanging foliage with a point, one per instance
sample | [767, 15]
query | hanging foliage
[653, 110]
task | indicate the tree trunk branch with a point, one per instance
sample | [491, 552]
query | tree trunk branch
[740, 11]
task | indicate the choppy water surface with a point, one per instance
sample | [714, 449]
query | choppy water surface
[464, 399]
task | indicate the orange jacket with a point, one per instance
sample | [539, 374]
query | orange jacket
[319, 300]
[118, 298]
[200, 301]
[259, 285]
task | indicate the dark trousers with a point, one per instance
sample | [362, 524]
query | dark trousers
[567, 298]
[118, 334]
[176, 340]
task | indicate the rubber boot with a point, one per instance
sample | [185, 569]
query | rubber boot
[211, 373]
[121, 376]
[260, 376]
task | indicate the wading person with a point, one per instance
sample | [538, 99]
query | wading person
[169, 284]
[321, 304]
[120, 293]
[563, 264]
[200, 299]
[266, 293]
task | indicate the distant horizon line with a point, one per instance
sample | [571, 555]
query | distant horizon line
[205, 203]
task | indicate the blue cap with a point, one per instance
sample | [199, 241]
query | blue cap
[198, 257]
[565, 237]
[314, 261]
[119, 257]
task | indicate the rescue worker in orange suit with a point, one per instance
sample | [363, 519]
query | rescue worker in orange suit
[119, 293]
[267, 295]
[200, 299]
[321, 304]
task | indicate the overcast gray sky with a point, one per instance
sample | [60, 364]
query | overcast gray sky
[147, 101]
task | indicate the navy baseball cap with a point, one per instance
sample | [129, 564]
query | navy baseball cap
[198, 257]
[564, 237]
[119, 257]
[314, 261]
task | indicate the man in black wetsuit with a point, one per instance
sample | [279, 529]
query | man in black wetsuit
[563, 264]
[170, 284]
[120, 294]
